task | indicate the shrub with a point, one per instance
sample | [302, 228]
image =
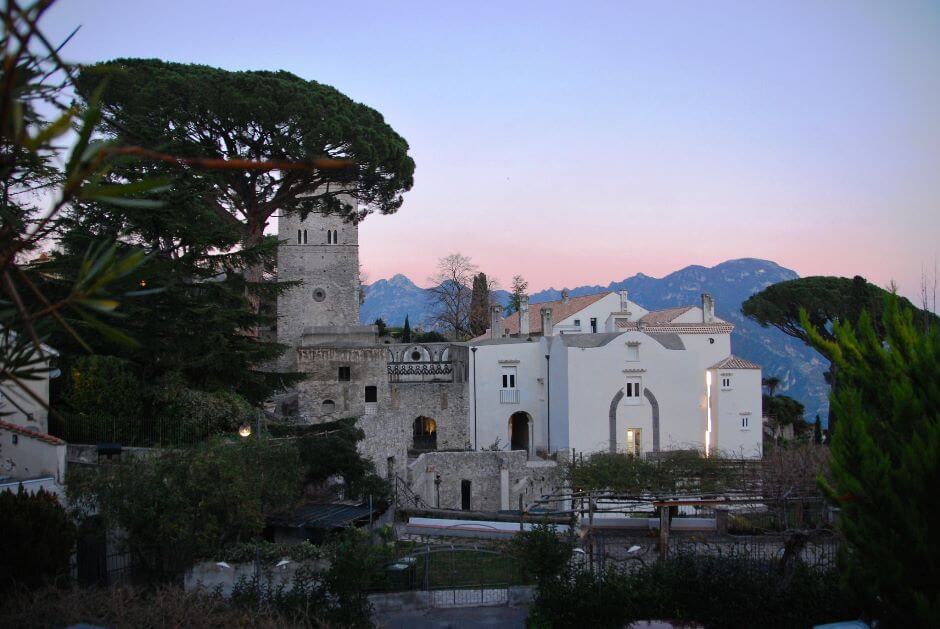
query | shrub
[184, 505]
[37, 537]
[543, 553]
[713, 591]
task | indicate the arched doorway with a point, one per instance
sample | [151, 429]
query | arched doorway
[424, 435]
[519, 431]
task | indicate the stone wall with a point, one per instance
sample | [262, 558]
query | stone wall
[497, 479]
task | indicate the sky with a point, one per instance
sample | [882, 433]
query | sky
[580, 143]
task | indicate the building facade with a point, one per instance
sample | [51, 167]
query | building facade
[601, 373]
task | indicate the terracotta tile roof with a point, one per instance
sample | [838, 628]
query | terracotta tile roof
[665, 316]
[733, 362]
[719, 327]
[26, 432]
[560, 310]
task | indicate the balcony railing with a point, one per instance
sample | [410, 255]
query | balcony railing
[509, 396]
[431, 371]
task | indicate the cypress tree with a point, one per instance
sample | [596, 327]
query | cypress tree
[406, 331]
[817, 431]
[479, 304]
[886, 461]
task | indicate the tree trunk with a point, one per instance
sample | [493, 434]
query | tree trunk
[253, 273]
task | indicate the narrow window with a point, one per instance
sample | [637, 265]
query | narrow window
[744, 421]
[726, 383]
[305, 236]
[344, 375]
[372, 395]
[329, 237]
[632, 391]
[335, 237]
[298, 237]
[465, 495]
[593, 325]
[633, 352]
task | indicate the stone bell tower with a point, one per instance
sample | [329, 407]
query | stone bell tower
[322, 252]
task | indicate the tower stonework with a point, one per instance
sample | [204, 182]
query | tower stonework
[321, 252]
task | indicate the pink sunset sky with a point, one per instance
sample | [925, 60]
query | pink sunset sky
[579, 143]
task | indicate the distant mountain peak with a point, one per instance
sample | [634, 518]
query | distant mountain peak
[730, 283]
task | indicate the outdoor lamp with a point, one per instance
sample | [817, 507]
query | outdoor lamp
[244, 430]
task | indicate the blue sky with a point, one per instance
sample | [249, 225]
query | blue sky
[580, 143]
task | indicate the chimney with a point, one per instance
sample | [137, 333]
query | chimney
[496, 321]
[708, 308]
[623, 300]
[546, 321]
[523, 315]
[565, 298]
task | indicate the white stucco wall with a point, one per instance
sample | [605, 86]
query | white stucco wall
[493, 415]
[728, 406]
[29, 457]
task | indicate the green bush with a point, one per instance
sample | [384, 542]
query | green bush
[544, 554]
[712, 591]
[270, 552]
[37, 537]
[185, 505]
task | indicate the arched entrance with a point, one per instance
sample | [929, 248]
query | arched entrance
[424, 434]
[520, 428]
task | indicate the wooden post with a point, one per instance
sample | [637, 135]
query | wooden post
[663, 532]
[521, 515]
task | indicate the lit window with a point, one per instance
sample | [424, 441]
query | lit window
[633, 441]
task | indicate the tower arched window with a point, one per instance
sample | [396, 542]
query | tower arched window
[298, 237]
[305, 236]
[335, 237]
[329, 237]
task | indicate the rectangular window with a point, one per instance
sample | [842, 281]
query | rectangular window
[745, 420]
[632, 391]
[593, 325]
[577, 323]
[344, 375]
[372, 395]
[726, 383]
[633, 352]
[509, 377]
[633, 441]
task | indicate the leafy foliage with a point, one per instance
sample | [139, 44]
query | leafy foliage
[677, 472]
[183, 505]
[33, 81]
[544, 554]
[38, 538]
[479, 304]
[713, 591]
[886, 459]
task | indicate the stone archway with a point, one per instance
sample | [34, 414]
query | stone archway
[424, 433]
[612, 417]
[520, 431]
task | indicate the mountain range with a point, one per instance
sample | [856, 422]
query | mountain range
[799, 368]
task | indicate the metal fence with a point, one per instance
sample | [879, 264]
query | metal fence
[132, 432]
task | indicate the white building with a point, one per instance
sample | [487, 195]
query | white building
[601, 373]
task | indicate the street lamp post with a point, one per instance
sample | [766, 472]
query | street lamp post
[548, 399]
